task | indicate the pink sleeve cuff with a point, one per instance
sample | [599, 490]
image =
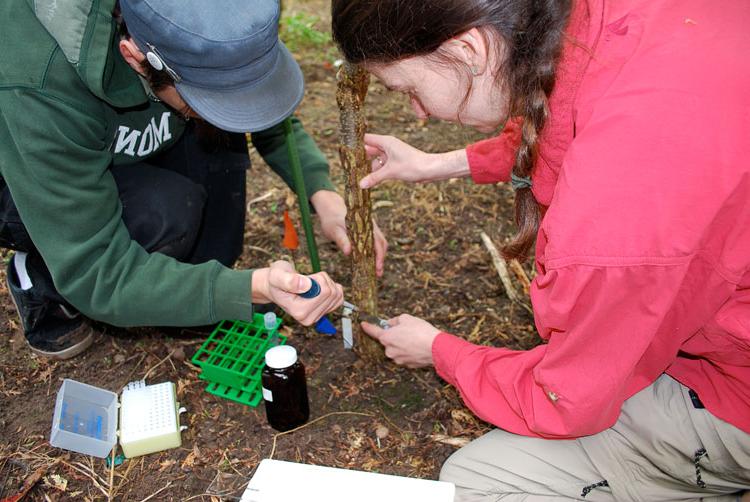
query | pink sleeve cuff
[445, 352]
[491, 160]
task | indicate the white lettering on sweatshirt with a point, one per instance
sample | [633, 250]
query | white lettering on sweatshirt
[133, 142]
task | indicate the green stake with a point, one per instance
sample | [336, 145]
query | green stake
[299, 187]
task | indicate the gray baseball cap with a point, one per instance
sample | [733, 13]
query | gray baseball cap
[225, 57]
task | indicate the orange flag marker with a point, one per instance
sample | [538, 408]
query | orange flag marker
[291, 240]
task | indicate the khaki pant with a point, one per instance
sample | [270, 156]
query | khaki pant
[662, 448]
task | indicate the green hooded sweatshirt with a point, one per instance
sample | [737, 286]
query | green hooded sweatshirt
[70, 108]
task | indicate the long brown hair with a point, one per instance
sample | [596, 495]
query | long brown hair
[386, 31]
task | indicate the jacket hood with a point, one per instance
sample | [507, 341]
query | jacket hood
[85, 31]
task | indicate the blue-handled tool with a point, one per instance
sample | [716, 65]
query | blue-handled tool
[313, 291]
[323, 326]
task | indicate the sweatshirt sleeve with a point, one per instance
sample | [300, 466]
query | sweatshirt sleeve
[55, 160]
[610, 331]
[491, 160]
[271, 145]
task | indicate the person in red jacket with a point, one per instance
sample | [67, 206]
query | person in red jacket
[624, 135]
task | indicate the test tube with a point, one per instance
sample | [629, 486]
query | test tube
[269, 322]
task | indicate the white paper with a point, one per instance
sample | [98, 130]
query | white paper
[313, 483]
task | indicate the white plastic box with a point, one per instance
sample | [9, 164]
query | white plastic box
[86, 419]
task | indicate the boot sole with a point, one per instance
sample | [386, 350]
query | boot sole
[61, 355]
[71, 351]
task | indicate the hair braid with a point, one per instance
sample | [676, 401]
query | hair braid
[533, 58]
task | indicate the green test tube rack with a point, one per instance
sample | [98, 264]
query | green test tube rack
[232, 358]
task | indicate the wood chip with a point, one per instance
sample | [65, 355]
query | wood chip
[458, 442]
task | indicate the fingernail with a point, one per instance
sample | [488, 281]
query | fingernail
[363, 185]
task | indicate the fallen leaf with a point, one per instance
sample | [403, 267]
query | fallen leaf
[189, 460]
[57, 482]
[182, 383]
[166, 464]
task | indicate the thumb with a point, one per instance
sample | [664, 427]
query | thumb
[302, 284]
[292, 282]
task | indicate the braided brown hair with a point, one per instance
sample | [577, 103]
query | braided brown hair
[386, 31]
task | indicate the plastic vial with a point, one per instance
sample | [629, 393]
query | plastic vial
[269, 322]
[285, 389]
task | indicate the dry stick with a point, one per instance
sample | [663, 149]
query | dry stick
[273, 448]
[124, 479]
[261, 198]
[92, 473]
[260, 250]
[476, 329]
[157, 492]
[521, 275]
[135, 367]
[112, 473]
[96, 482]
[229, 463]
[158, 364]
[502, 271]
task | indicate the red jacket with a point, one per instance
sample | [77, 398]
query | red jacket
[643, 254]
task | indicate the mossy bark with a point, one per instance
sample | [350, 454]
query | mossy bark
[350, 96]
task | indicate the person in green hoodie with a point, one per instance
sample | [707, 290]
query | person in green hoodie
[123, 165]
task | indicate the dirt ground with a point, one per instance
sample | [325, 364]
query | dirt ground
[382, 418]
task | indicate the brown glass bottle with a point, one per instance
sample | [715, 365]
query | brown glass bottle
[285, 389]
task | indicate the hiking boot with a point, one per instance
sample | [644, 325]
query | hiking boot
[52, 329]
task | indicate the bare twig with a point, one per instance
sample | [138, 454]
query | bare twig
[157, 492]
[112, 473]
[260, 250]
[158, 364]
[273, 448]
[136, 366]
[229, 462]
[124, 479]
[520, 275]
[502, 271]
[261, 198]
[475, 332]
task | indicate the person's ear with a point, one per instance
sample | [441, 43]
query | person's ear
[132, 55]
[471, 47]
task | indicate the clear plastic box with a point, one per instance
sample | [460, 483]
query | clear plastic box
[85, 419]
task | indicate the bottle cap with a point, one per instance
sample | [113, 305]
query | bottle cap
[281, 356]
[269, 320]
